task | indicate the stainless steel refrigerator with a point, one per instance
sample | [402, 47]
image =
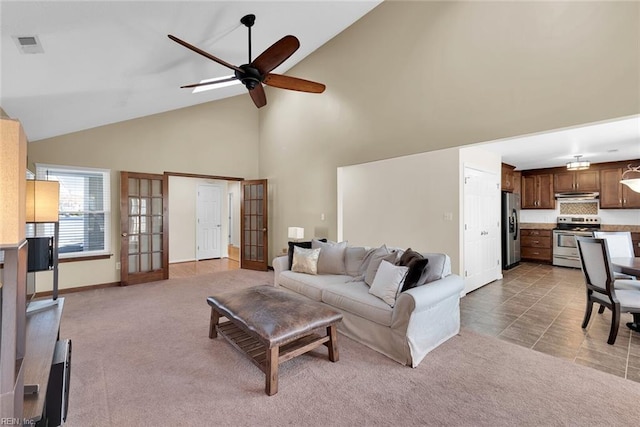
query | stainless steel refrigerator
[510, 230]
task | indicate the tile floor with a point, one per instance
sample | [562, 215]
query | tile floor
[541, 307]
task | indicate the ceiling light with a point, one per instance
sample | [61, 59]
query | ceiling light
[578, 164]
[215, 85]
[632, 183]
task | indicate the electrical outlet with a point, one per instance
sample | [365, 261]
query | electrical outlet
[117, 265]
[284, 250]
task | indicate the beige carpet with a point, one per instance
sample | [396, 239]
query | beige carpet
[142, 357]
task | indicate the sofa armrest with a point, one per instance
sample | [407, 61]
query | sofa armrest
[280, 264]
[430, 294]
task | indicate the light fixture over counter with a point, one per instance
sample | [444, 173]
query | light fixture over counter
[578, 165]
[632, 183]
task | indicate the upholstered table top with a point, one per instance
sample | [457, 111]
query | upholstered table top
[274, 316]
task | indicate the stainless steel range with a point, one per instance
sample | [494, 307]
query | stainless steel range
[565, 250]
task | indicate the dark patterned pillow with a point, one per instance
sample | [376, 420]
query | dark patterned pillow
[408, 256]
[305, 245]
[417, 268]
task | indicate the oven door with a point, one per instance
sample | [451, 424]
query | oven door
[565, 249]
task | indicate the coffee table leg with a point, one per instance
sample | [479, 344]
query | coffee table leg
[271, 373]
[334, 356]
[215, 318]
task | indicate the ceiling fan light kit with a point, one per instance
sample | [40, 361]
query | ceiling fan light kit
[578, 165]
[258, 72]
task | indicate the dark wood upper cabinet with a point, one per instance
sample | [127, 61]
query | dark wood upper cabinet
[567, 181]
[614, 195]
[508, 178]
[537, 191]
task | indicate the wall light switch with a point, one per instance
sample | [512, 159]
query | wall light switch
[117, 266]
[448, 216]
[321, 217]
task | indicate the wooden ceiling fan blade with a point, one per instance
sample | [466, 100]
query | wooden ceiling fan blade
[203, 53]
[230, 79]
[276, 54]
[293, 83]
[258, 96]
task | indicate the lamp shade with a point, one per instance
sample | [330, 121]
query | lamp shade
[43, 198]
[13, 172]
[296, 233]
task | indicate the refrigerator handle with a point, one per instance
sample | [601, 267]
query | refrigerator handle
[515, 221]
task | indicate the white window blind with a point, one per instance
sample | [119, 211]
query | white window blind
[85, 215]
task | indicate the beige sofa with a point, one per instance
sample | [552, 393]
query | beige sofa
[421, 319]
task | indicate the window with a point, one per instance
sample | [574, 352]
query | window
[85, 204]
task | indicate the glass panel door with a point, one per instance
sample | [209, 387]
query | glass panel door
[253, 232]
[143, 246]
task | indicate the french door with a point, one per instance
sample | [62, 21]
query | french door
[254, 245]
[144, 245]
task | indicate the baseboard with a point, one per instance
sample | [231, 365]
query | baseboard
[234, 253]
[77, 289]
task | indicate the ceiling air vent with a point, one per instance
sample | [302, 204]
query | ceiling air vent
[28, 44]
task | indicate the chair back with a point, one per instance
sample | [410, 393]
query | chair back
[596, 266]
[619, 243]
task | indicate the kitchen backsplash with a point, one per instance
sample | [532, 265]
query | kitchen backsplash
[585, 208]
[608, 216]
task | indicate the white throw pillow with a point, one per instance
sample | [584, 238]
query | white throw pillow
[331, 260]
[388, 279]
[305, 260]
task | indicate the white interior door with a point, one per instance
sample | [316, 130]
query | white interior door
[208, 223]
[481, 228]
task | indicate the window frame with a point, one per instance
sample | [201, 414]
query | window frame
[43, 170]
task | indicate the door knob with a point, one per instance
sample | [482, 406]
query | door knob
[124, 234]
[264, 229]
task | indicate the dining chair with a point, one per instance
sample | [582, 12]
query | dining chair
[600, 284]
[620, 245]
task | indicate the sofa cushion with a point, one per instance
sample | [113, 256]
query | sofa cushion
[439, 267]
[308, 285]
[353, 258]
[306, 245]
[374, 264]
[355, 298]
[331, 259]
[388, 279]
[305, 260]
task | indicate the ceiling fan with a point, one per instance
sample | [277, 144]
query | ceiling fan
[258, 71]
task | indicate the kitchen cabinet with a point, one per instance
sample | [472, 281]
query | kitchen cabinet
[568, 181]
[537, 191]
[535, 245]
[508, 177]
[614, 195]
[635, 238]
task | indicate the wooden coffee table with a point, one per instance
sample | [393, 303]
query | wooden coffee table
[271, 326]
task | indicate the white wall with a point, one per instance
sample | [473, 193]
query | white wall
[402, 202]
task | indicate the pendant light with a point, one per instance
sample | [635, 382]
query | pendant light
[632, 183]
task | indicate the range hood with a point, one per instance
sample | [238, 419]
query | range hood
[577, 196]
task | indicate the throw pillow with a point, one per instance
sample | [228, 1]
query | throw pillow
[305, 260]
[387, 282]
[372, 268]
[417, 270]
[353, 259]
[408, 256]
[369, 255]
[306, 245]
[331, 259]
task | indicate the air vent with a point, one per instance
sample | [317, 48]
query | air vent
[28, 44]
